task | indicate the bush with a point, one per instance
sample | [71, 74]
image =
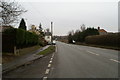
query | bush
[22, 38]
[108, 40]
[79, 36]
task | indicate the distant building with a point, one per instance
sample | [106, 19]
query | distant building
[34, 29]
[48, 36]
[102, 31]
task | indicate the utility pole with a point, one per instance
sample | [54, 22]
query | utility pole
[52, 32]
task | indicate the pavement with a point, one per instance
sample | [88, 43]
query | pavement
[23, 60]
[33, 71]
[77, 61]
[72, 61]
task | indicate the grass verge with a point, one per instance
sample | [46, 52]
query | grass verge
[8, 57]
[99, 46]
[50, 49]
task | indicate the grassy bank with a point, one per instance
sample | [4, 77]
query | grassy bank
[7, 57]
[99, 46]
[50, 49]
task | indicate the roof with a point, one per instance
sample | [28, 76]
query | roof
[102, 30]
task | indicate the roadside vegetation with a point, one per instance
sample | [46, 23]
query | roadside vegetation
[18, 41]
[91, 37]
[8, 57]
[49, 50]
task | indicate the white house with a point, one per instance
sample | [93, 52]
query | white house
[48, 36]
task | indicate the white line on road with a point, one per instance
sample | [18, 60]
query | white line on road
[51, 59]
[47, 71]
[56, 49]
[44, 78]
[50, 62]
[53, 55]
[115, 60]
[49, 65]
[93, 53]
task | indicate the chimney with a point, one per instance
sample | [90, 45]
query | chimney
[51, 31]
[98, 28]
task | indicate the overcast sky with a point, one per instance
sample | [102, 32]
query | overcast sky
[70, 14]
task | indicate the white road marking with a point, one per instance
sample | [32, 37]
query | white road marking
[49, 65]
[52, 55]
[51, 59]
[56, 49]
[93, 53]
[50, 62]
[115, 60]
[47, 71]
[44, 78]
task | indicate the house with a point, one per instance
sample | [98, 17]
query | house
[102, 31]
[34, 29]
[48, 36]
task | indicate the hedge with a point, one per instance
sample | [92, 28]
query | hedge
[22, 38]
[108, 40]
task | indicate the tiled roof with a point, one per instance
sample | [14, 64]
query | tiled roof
[102, 30]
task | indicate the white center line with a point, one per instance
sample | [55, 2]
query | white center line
[56, 49]
[50, 62]
[44, 78]
[49, 65]
[51, 59]
[47, 71]
[115, 60]
[52, 55]
[93, 53]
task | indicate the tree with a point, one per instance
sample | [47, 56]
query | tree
[22, 24]
[70, 37]
[40, 28]
[41, 31]
[79, 36]
[83, 27]
[9, 12]
[89, 32]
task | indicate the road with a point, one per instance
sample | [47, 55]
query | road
[75, 61]
[72, 61]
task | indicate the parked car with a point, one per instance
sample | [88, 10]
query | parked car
[54, 42]
[73, 41]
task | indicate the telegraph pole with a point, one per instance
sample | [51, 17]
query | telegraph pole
[52, 32]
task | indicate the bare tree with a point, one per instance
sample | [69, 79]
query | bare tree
[9, 12]
[83, 27]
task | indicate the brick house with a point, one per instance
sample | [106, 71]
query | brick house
[102, 31]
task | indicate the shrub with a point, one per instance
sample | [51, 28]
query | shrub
[108, 40]
[22, 38]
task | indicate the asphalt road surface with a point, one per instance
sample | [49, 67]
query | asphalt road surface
[72, 61]
[75, 61]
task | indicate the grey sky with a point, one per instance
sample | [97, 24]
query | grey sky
[69, 15]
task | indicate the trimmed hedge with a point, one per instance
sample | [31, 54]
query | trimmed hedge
[8, 43]
[108, 40]
[22, 38]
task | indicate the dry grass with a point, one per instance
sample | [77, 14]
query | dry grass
[7, 57]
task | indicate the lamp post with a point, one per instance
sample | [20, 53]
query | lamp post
[51, 32]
